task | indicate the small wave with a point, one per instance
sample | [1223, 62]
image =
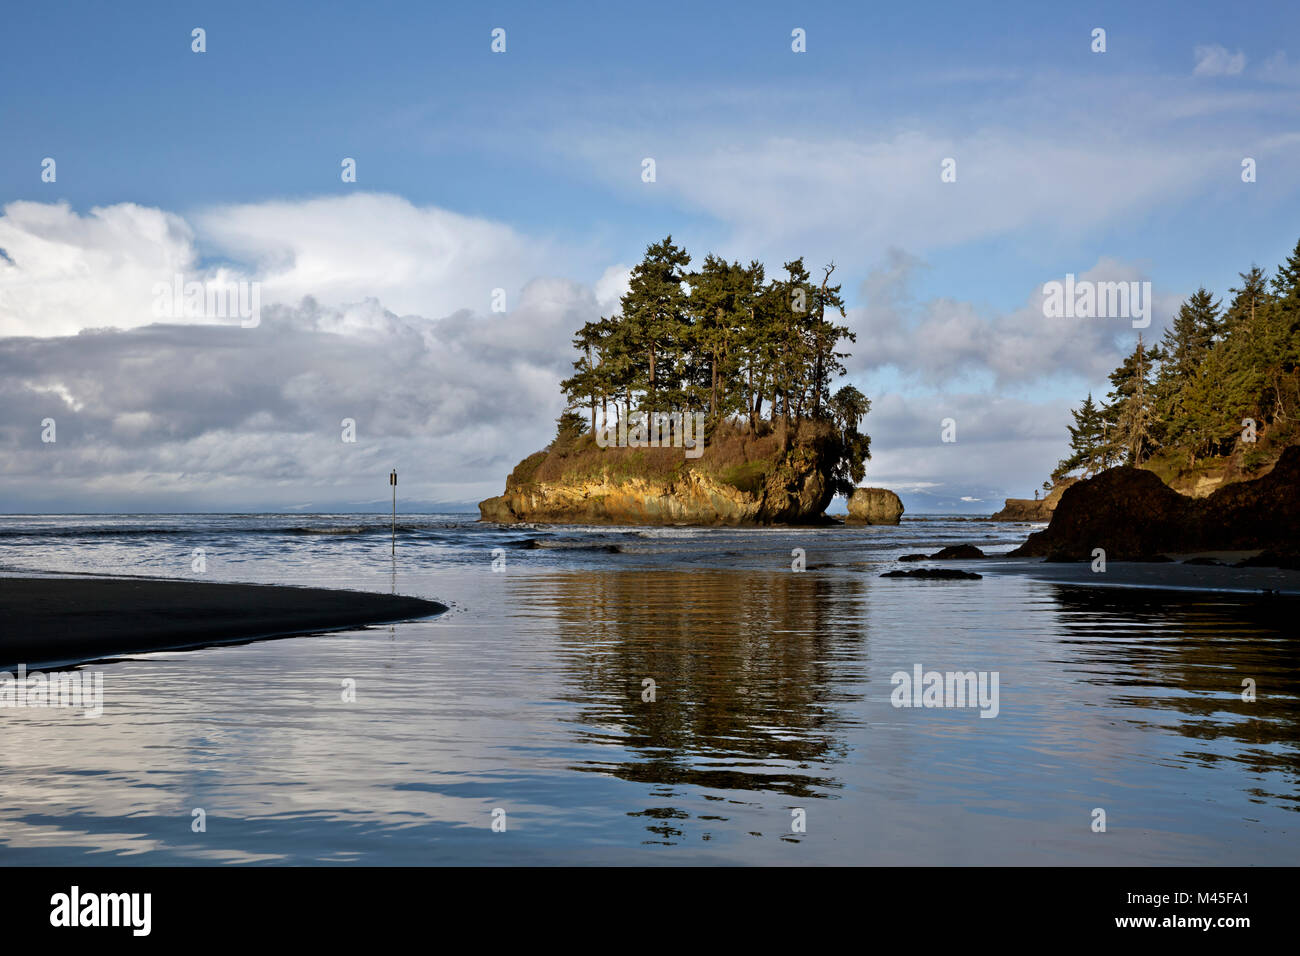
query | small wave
[355, 529]
[349, 530]
[575, 546]
[91, 532]
[670, 533]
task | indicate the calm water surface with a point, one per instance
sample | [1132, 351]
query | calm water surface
[772, 694]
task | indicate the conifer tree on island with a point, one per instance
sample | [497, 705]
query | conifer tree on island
[746, 351]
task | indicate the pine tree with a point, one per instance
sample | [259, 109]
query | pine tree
[1087, 440]
[847, 408]
[826, 335]
[1130, 413]
[1246, 300]
[719, 303]
[1184, 346]
[655, 317]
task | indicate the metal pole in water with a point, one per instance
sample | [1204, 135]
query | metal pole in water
[392, 480]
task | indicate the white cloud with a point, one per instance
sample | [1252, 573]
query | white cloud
[1216, 60]
[939, 341]
[64, 272]
[855, 196]
[218, 415]
[206, 415]
[422, 260]
[613, 285]
[1004, 446]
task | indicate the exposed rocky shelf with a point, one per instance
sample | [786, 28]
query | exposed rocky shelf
[742, 477]
[1132, 515]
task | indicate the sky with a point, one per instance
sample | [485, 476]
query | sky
[522, 171]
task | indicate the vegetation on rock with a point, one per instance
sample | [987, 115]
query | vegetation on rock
[1217, 397]
[753, 358]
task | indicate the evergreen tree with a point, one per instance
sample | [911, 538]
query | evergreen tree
[1213, 371]
[1246, 300]
[826, 335]
[727, 341]
[655, 317]
[848, 407]
[1184, 346]
[1087, 440]
[1130, 413]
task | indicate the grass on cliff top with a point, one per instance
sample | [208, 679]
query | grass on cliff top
[732, 453]
[1247, 461]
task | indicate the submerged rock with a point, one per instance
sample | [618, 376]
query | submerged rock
[1134, 516]
[954, 552]
[874, 506]
[935, 573]
[958, 552]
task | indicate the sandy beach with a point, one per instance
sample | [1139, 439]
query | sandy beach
[68, 619]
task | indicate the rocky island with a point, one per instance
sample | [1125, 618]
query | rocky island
[874, 506]
[766, 476]
[706, 400]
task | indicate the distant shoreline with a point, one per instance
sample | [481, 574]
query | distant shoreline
[75, 619]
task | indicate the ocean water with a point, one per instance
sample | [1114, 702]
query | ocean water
[771, 737]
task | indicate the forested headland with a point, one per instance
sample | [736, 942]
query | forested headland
[1219, 392]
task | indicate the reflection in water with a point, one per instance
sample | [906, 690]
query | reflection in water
[745, 695]
[1190, 659]
[771, 693]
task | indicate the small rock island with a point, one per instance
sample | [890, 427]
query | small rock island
[874, 506]
[706, 400]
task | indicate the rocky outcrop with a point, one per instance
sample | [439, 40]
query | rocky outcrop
[936, 574]
[954, 552]
[874, 506]
[1134, 516]
[780, 483]
[694, 498]
[1033, 509]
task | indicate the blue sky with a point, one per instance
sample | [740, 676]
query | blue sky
[1125, 163]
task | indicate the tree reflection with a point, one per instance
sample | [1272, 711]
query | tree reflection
[748, 670]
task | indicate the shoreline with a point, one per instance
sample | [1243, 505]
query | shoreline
[68, 620]
[1142, 575]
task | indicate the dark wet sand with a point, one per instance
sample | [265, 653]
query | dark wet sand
[1137, 574]
[64, 619]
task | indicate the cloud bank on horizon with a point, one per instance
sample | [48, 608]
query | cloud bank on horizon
[442, 330]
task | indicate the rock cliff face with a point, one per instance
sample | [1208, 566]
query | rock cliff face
[874, 506]
[1030, 509]
[768, 481]
[1134, 515]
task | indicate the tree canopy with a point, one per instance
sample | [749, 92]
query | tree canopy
[1215, 371]
[725, 340]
